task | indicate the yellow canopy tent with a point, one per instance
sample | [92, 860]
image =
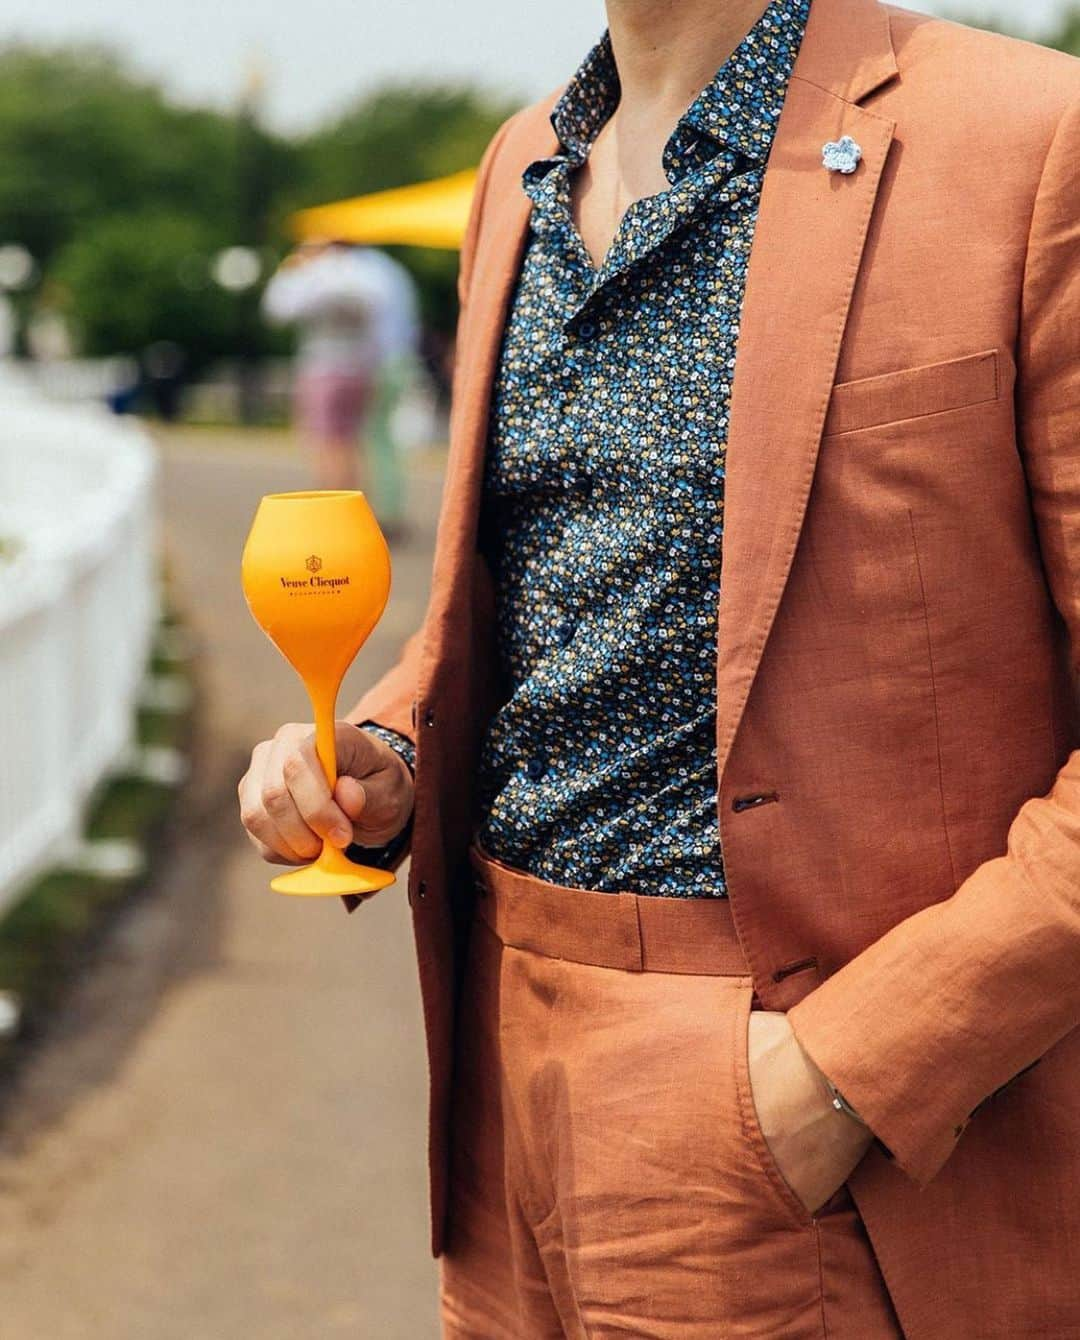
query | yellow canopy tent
[428, 214]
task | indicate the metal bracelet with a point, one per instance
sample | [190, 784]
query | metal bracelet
[840, 1102]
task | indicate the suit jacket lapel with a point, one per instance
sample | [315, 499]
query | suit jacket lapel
[808, 244]
[500, 244]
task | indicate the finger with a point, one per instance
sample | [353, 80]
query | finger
[303, 775]
[272, 856]
[269, 843]
[250, 784]
[265, 834]
[377, 807]
[261, 831]
[279, 805]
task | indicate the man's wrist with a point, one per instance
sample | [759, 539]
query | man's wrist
[845, 1109]
[388, 854]
[400, 744]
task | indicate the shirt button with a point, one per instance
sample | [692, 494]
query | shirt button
[587, 330]
[536, 767]
[565, 632]
[584, 485]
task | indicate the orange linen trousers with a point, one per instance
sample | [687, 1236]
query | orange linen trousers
[608, 1175]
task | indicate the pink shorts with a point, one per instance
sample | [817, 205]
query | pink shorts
[329, 405]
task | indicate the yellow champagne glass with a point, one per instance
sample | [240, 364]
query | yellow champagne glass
[316, 577]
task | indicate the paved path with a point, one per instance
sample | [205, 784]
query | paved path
[223, 1138]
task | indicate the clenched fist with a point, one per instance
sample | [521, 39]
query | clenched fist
[288, 808]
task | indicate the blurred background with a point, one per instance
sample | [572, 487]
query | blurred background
[228, 252]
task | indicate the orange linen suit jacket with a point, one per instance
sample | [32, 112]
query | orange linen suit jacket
[897, 634]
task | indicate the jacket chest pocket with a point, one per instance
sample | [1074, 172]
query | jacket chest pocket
[901, 451]
[910, 394]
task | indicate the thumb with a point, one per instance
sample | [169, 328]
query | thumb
[359, 754]
[352, 796]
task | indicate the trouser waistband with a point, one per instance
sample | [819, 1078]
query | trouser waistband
[636, 932]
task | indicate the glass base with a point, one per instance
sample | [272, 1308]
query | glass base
[332, 874]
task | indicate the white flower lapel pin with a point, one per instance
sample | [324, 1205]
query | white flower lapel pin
[841, 155]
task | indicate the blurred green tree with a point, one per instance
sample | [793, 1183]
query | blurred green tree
[80, 139]
[396, 135]
[90, 156]
[1066, 33]
[130, 280]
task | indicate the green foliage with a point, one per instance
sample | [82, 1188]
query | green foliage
[398, 135]
[80, 140]
[130, 279]
[1066, 35]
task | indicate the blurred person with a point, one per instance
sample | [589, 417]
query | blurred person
[124, 384]
[335, 293]
[737, 755]
[398, 333]
[164, 375]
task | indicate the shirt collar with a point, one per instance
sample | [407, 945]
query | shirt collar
[588, 100]
[738, 108]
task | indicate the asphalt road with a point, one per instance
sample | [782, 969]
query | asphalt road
[222, 1138]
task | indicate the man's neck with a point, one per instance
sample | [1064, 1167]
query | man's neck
[666, 52]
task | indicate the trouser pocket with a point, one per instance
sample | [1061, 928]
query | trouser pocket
[751, 1126]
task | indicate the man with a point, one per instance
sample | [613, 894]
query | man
[337, 294]
[399, 340]
[750, 966]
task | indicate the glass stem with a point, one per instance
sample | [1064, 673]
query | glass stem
[324, 703]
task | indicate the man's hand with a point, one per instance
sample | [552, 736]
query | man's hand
[815, 1146]
[287, 806]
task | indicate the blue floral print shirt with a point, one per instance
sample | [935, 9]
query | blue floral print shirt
[603, 506]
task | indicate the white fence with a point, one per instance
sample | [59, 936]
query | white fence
[78, 608]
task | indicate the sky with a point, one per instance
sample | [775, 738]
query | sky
[318, 55]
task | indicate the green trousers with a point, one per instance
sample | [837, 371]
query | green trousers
[383, 453]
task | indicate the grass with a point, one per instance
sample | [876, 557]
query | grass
[48, 933]
[225, 434]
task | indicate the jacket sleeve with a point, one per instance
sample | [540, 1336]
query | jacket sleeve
[952, 1003]
[388, 708]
